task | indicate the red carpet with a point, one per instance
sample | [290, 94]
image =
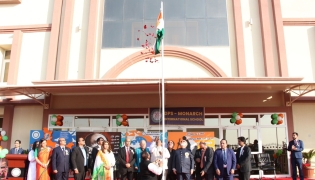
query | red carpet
[282, 178]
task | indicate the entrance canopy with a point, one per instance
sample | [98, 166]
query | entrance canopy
[149, 86]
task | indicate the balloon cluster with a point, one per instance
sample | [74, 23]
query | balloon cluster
[276, 119]
[56, 120]
[3, 152]
[122, 120]
[3, 136]
[236, 118]
[277, 154]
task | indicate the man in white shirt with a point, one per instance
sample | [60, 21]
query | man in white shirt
[157, 152]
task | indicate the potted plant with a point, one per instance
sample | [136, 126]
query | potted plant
[307, 156]
[307, 170]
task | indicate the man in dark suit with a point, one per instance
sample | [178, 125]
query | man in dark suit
[183, 162]
[224, 161]
[61, 160]
[204, 165]
[17, 148]
[126, 158]
[243, 156]
[79, 159]
[95, 150]
[296, 147]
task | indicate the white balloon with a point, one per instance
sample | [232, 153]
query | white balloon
[54, 118]
[3, 133]
[120, 119]
[279, 118]
[238, 117]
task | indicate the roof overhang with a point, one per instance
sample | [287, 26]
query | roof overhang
[134, 86]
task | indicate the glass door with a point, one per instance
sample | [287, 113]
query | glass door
[231, 134]
[251, 136]
[250, 133]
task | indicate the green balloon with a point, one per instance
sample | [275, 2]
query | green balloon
[234, 114]
[233, 120]
[118, 123]
[5, 151]
[4, 138]
[274, 121]
[53, 123]
[118, 116]
[275, 116]
[2, 155]
[54, 115]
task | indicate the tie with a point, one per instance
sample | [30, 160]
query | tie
[202, 157]
[63, 150]
[224, 157]
[16, 151]
[242, 150]
[127, 154]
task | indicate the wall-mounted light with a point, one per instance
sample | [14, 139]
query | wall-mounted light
[270, 97]
[264, 100]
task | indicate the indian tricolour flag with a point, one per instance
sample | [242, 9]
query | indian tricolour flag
[159, 33]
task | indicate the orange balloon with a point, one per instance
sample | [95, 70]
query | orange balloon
[59, 123]
[0, 147]
[124, 116]
[125, 123]
[238, 122]
[280, 122]
[0, 138]
[275, 156]
[59, 118]
[281, 115]
[240, 114]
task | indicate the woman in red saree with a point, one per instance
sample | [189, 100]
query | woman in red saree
[42, 155]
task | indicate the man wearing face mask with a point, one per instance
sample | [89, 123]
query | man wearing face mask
[183, 162]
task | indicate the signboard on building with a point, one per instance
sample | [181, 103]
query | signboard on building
[193, 138]
[137, 136]
[178, 116]
[52, 137]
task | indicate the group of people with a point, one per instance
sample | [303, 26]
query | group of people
[56, 163]
[146, 163]
[151, 162]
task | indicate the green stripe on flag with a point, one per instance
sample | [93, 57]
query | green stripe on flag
[159, 37]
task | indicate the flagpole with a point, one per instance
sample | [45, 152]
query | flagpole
[163, 96]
